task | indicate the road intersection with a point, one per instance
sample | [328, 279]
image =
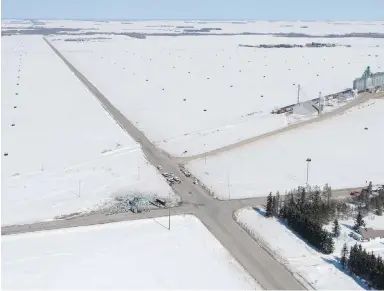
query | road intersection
[216, 215]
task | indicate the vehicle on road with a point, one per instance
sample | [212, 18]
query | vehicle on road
[185, 172]
[354, 193]
[177, 179]
[159, 167]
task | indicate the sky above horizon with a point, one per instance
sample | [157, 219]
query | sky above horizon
[196, 9]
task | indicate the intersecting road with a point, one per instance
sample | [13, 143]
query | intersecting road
[358, 100]
[216, 215]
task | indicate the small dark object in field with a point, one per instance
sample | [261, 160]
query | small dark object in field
[366, 128]
[5, 154]
[205, 110]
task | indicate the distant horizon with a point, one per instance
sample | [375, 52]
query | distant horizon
[196, 19]
[212, 10]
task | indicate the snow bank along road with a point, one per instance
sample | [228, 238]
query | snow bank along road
[218, 219]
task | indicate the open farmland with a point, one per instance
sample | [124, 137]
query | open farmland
[61, 151]
[175, 27]
[304, 260]
[193, 94]
[135, 255]
[343, 154]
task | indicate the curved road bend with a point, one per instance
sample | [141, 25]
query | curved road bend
[360, 99]
[269, 273]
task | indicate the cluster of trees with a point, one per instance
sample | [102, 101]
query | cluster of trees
[363, 264]
[370, 201]
[305, 211]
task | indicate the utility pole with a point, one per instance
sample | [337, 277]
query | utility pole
[205, 156]
[298, 94]
[138, 173]
[308, 161]
[229, 186]
[169, 218]
[320, 105]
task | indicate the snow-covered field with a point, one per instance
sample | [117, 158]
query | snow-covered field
[321, 271]
[343, 154]
[250, 26]
[178, 90]
[61, 151]
[127, 255]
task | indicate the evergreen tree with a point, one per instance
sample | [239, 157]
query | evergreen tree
[369, 188]
[274, 206]
[269, 210]
[379, 208]
[344, 256]
[359, 222]
[336, 228]
[327, 192]
[328, 244]
[277, 204]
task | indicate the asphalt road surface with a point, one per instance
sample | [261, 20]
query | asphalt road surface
[215, 214]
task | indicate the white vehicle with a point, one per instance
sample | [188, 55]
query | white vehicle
[177, 180]
[165, 174]
[159, 167]
[185, 172]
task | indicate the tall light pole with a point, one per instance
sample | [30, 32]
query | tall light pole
[308, 161]
[298, 94]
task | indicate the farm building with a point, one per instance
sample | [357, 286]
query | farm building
[369, 81]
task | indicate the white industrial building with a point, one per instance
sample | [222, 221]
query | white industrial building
[369, 81]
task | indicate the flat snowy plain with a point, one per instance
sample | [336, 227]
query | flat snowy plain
[178, 26]
[192, 94]
[65, 153]
[343, 154]
[323, 272]
[128, 255]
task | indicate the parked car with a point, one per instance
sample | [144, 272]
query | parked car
[354, 193]
[177, 180]
[185, 172]
[159, 167]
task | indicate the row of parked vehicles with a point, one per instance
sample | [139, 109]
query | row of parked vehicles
[172, 178]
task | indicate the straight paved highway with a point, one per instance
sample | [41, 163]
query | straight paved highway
[218, 219]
